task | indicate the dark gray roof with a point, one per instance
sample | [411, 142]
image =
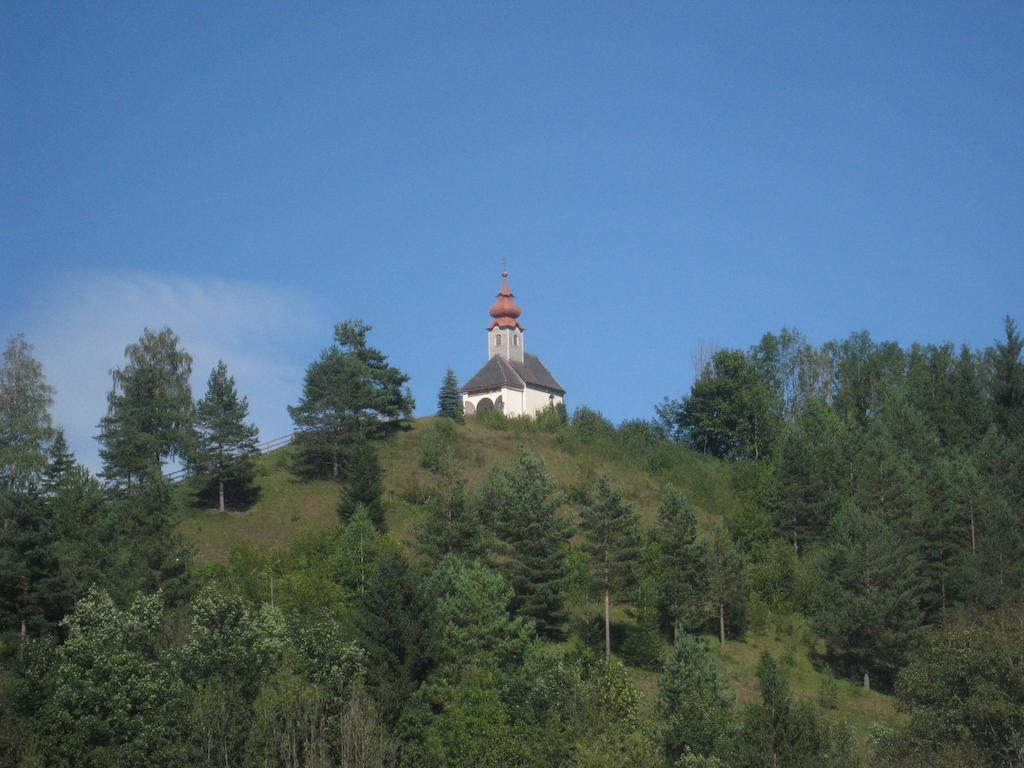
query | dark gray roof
[534, 373]
[499, 372]
[495, 373]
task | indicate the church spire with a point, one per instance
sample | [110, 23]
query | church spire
[505, 312]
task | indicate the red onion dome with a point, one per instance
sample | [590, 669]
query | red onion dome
[505, 311]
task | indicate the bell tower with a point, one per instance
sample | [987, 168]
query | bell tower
[505, 334]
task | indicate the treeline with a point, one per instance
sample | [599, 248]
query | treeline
[495, 639]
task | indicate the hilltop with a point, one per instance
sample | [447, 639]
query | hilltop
[643, 466]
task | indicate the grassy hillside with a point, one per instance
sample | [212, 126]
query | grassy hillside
[290, 507]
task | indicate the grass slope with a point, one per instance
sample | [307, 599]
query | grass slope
[290, 507]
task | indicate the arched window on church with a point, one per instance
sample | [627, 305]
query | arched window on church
[497, 341]
[515, 340]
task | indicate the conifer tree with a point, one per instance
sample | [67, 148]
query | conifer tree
[1008, 381]
[693, 699]
[224, 444]
[871, 612]
[351, 393]
[727, 575]
[611, 539]
[60, 459]
[25, 425]
[683, 561]
[149, 409]
[524, 502]
[452, 524]
[449, 401]
[364, 486]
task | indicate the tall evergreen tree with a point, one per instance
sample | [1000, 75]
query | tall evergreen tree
[149, 409]
[449, 401]
[611, 540]
[693, 699]
[452, 524]
[225, 444]
[364, 486]
[1008, 381]
[25, 425]
[524, 502]
[351, 393]
[682, 561]
[871, 612]
[812, 472]
[60, 459]
[727, 576]
[778, 732]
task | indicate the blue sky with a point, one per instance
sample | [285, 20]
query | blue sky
[658, 176]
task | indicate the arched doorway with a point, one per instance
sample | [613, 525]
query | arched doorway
[485, 404]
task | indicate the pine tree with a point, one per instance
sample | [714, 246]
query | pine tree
[611, 539]
[449, 401]
[149, 409]
[693, 699]
[871, 612]
[727, 576]
[364, 486]
[812, 472]
[1008, 381]
[351, 393]
[224, 444]
[25, 425]
[452, 524]
[60, 459]
[524, 502]
[682, 561]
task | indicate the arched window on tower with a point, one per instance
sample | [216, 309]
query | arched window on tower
[515, 340]
[497, 340]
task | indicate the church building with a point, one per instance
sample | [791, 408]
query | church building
[512, 380]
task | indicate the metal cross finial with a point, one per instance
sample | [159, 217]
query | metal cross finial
[504, 264]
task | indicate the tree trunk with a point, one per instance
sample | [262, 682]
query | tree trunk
[867, 680]
[721, 623]
[220, 484]
[607, 624]
[24, 628]
[675, 631]
[943, 581]
[334, 466]
[796, 546]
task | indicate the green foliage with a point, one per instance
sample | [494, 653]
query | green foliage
[25, 424]
[969, 680]
[693, 700]
[779, 732]
[449, 401]
[682, 562]
[1008, 381]
[728, 585]
[460, 723]
[112, 698]
[364, 486]
[813, 472]
[438, 445]
[467, 617]
[224, 444]
[524, 502]
[588, 424]
[359, 547]
[870, 614]
[149, 409]
[730, 411]
[611, 540]
[452, 524]
[349, 395]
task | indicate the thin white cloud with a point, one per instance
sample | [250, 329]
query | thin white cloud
[81, 327]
